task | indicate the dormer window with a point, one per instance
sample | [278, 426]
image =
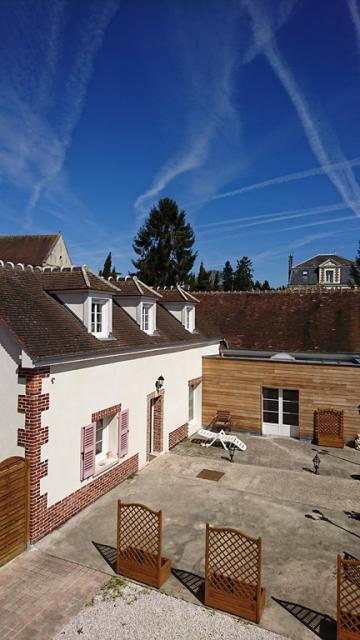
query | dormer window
[98, 317]
[148, 317]
[189, 318]
[329, 276]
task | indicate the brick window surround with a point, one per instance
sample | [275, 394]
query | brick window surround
[44, 519]
[106, 413]
[179, 434]
[158, 399]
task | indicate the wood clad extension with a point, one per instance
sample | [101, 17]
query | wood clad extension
[236, 385]
[14, 508]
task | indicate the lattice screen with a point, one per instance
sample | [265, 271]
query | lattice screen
[348, 605]
[329, 422]
[233, 562]
[139, 534]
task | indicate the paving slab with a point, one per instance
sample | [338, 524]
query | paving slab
[39, 594]
[304, 521]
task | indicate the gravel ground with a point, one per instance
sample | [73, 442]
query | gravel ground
[128, 611]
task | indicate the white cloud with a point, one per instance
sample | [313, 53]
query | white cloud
[289, 177]
[324, 146]
[355, 17]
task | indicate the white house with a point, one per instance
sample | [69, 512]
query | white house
[97, 377]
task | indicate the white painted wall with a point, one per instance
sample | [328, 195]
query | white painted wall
[10, 388]
[74, 300]
[59, 256]
[78, 391]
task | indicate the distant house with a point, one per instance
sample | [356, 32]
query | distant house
[37, 250]
[324, 270]
[285, 355]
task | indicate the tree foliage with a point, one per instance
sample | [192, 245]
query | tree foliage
[355, 269]
[243, 275]
[228, 277]
[164, 246]
[203, 279]
[108, 270]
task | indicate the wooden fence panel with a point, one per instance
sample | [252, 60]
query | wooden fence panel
[139, 544]
[329, 428]
[14, 508]
[348, 599]
[233, 564]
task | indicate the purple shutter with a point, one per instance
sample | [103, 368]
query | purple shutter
[123, 433]
[88, 447]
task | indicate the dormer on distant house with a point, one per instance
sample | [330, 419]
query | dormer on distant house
[138, 300]
[181, 305]
[40, 250]
[86, 295]
[324, 270]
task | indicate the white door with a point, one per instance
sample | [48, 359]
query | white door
[280, 412]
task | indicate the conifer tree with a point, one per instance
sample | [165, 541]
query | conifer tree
[227, 277]
[164, 246]
[108, 270]
[203, 279]
[243, 280]
[355, 270]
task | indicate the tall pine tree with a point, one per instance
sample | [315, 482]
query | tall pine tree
[203, 279]
[243, 275]
[108, 269]
[228, 277]
[355, 270]
[164, 245]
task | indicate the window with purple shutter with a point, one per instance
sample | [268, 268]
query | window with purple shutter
[123, 433]
[88, 446]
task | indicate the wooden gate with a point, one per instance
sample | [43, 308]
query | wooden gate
[139, 543]
[348, 599]
[233, 573]
[329, 428]
[14, 508]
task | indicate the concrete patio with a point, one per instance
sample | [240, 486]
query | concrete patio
[269, 491]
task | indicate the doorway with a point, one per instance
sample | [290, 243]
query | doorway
[280, 412]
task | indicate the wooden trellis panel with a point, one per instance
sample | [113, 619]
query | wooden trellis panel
[233, 564]
[14, 508]
[329, 427]
[348, 599]
[139, 544]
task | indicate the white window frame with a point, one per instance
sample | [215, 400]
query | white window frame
[279, 428]
[147, 317]
[189, 318]
[103, 303]
[191, 406]
[332, 271]
[102, 455]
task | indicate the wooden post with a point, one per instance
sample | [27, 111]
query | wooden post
[338, 616]
[206, 559]
[118, 536]
[159, 542]
[258, 598]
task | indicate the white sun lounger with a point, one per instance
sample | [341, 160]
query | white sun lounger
[222, 437]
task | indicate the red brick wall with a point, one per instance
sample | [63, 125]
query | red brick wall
[105, 413]
[44, 519]
[158, 399]
[179, 434]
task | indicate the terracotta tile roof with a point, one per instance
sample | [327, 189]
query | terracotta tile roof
[72, 279]
[286, 321]
[47, 329]
[177, 294]
[131, 286]
[26, 249]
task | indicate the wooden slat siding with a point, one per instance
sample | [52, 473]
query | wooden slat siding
[14, 506]
[236, 385]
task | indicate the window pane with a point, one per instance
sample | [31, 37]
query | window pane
[291, 418]
[271, 393]
[270, 416]
[291, 394]
[291, 407]
[99, 436]
[191, 403]
[270, 405]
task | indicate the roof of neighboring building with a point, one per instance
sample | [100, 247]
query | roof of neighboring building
[315, 261]
[326, 321]
[27, 249]
[176, 294]
[47, 330]
[131, 286]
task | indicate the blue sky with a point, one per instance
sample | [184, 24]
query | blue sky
[246, 113]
